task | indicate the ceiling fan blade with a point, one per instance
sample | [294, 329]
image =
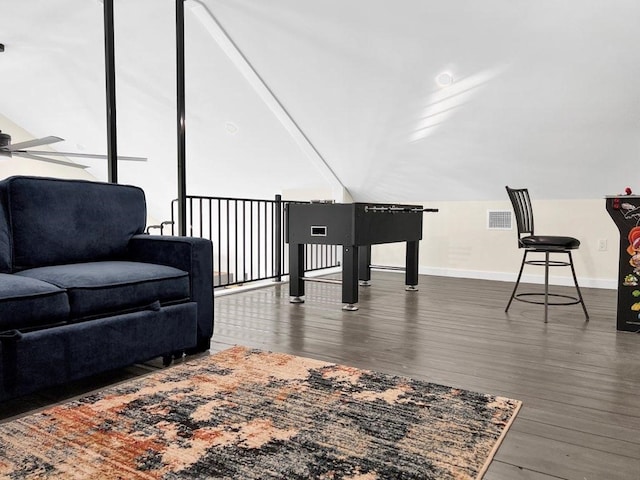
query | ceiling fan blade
[87, 155]
[50, 160]
[33, 143]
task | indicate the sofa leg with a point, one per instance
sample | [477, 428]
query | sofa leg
[203, 345]
[177, 355]
[166, 360]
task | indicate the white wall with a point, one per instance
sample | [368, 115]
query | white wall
[456, 242]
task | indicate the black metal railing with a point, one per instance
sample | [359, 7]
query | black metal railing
[248, 238]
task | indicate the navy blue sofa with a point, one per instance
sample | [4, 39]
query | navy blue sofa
[83, 290]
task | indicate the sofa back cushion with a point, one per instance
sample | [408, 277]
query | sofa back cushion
[54, 221]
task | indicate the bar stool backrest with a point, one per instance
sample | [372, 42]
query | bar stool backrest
[522, 208]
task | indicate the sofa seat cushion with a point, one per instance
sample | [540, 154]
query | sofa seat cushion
[98, 288]
[28, 302]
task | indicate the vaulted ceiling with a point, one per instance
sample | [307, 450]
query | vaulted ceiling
[292, 94]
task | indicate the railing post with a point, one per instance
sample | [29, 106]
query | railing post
[173, 220]
[278, 239]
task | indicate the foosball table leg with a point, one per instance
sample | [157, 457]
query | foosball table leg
[411, 265]
[296, 273]
[350, 276]
[364, 265]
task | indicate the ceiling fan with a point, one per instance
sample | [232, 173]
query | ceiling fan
[21, 149]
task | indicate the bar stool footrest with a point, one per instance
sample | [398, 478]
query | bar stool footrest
[574, 300]
[552, 263]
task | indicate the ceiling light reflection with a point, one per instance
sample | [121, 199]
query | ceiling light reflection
[444, 79]
[442, 103]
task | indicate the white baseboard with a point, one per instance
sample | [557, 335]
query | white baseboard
[606, 283]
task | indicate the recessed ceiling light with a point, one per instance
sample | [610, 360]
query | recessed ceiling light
[444, 79]
[231, 127]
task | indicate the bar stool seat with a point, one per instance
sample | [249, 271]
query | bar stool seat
[551, 242]
[546, 244]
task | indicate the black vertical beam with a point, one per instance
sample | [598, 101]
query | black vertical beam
[110, 73]
[182, 167]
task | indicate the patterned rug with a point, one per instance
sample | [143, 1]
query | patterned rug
[251, 414]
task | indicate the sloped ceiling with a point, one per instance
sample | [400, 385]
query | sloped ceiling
[545, 94]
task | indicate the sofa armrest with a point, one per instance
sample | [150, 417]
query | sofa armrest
[193, 255]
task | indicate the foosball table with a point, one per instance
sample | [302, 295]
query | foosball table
[355, 226]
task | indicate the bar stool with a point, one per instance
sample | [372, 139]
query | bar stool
[541, 244]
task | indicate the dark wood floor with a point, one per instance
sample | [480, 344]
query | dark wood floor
[580, 382]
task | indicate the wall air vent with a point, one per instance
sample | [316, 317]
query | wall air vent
[499, 220]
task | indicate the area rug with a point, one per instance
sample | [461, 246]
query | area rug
[251, 414]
